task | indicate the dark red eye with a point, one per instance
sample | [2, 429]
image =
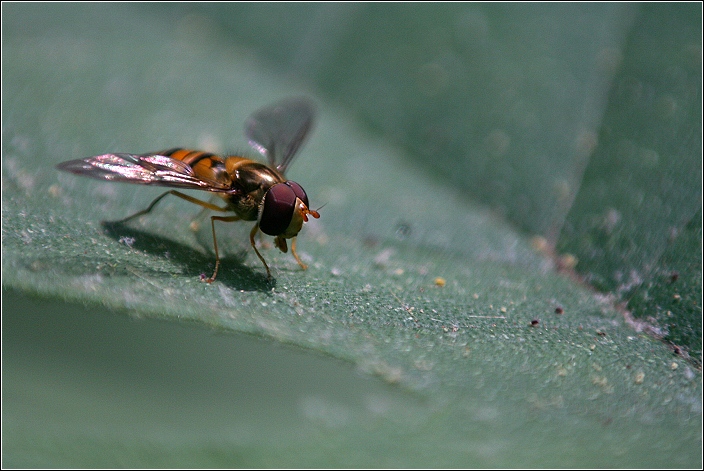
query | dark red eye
[298, 189]
[277, 209]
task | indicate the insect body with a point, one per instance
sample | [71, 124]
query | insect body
[253, 191]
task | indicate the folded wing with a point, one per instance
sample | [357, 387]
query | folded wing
[146, 169]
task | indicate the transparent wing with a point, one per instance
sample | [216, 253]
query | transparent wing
[147, 169]
[277, 131]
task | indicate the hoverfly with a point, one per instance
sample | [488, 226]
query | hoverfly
[253, 191]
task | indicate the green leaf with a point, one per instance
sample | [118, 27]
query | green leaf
[472, 350]
[636, 223]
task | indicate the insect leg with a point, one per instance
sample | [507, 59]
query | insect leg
[215, 242]
[254, 246]
[175, 193]
[293, 251]
[193, 200]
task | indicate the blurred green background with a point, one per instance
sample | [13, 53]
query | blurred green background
[478, 129]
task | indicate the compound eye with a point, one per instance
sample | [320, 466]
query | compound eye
[298, 189]
[277, 209]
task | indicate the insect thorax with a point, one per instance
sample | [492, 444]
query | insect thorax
[254, 179]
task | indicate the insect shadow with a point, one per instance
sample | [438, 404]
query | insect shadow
[194, 263]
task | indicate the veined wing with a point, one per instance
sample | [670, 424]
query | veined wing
[146, 169]
[277, 131]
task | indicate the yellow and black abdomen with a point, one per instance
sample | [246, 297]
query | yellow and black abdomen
[205, 165]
